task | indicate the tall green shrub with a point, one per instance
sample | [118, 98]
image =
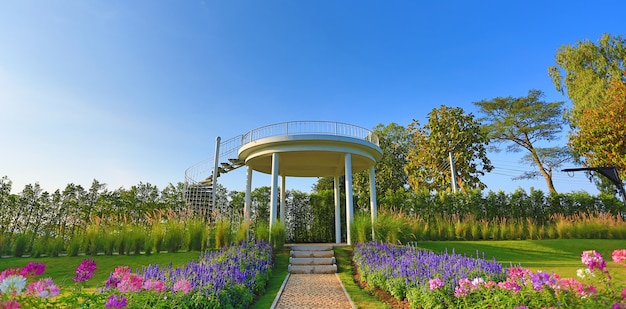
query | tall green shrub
[174, 235]
[223, 233]
[278, 235]
[196, 234]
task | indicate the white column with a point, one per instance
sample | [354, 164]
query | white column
[373, 198]
[274, 190]
[349, 206]
[337, 211]
[248, 198]
[283, 197]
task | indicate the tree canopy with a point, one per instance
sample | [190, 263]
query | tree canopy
[601, 133]
[524, 122]
[594, 76]
[585, 70]
[449, 129]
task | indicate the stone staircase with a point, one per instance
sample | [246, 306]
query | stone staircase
[312, 259]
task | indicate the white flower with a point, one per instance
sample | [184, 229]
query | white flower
[13, 284]
[584, 273]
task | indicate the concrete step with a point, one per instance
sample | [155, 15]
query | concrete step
[312, 248]
[312, 269]
[312, 254]
[312, 261]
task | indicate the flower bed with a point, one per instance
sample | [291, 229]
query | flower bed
[429, 280]
[225, 279]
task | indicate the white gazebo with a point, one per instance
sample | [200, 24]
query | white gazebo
[299, 149]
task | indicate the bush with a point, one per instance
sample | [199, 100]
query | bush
[262, 231]
[242, 232]
[278, 235]
[74, 246]
[196, 232]
[55, 246]
[20, 245]
[361, 228]
[174, 236]
[223, 233]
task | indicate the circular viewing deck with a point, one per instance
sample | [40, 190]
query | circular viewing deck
[309, 148]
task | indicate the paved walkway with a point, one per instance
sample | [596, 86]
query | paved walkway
[309, 291]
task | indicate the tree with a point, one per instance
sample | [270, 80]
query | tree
[600, 136]
[586, 70]
[449, 129]
[524, 122]
[395, 143]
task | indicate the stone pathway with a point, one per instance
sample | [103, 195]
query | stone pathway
[312, 291]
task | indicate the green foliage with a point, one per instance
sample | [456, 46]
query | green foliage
[584, 71]
[223, 233]
[449, 130]
[242, 231]
[174, 236]
[361, 227]
[524, 121]
[600, 135]
[20, 244]
[278, 235]
[74, 246]
[262, 231]
[395, 142]
[196, 234]
[323, 215]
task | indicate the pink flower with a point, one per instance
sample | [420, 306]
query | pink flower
[155, 285]
[619, 256]
[182, 285]
[130, 282]
[43, 288]
[9, 272]
[10, 304]
[85, 270]
[593, 260]
[624, 293]
[435, 283]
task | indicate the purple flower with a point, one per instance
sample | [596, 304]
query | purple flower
[33, 268]
[85, 270]
[115, 301]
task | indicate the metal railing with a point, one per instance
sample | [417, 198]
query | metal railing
[310, 127]
[199, 194]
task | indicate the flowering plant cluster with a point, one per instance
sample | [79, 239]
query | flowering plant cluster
[13, 285]
[431, 280]
[222, 279]
[225, 279]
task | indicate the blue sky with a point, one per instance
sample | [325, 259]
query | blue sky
[130, 91]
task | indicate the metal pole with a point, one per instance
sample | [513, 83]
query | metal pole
[453, 172]
[217, 161]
